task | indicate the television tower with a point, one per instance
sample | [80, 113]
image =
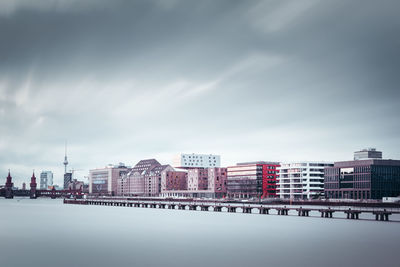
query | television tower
[65, 159]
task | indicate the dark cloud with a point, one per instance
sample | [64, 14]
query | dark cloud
[124, 80]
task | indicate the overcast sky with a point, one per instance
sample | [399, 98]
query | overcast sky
[249, 80]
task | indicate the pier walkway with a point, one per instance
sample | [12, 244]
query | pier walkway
[327, 212]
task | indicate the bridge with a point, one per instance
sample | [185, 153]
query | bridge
[33, 192]
[352, 213]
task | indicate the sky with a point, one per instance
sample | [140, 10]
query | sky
[123, 81]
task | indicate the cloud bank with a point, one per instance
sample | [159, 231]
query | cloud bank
[258, 80]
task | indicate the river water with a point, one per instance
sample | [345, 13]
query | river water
[45, 232]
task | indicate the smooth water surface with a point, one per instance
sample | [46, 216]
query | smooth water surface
[45, 232]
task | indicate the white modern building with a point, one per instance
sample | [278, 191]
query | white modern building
[301, 180]
[103, 181]
[46, 179]
[196, 161]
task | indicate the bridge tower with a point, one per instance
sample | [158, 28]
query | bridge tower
[33, 185]
[53, 193]
[8, 187]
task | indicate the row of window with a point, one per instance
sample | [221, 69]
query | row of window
[191, 164]
[195, 157]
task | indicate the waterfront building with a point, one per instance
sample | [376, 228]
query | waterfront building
[196, 182]
[131, 184]
[67, 179]
[144, 179]
[104, 181]
[197, 179]
[46, 179]
[302, 180]
[207, 182]
[217, 179]
[76, 185]
[23, 186]
[366, 178]
[252, 179]
[367, 153]
[152, 180]
[175, 180]
[270, 176]
[196, 161]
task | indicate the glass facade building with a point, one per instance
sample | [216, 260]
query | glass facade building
[104, 181]
[367, 153]
[46, 179]
[363, 179]
[67, 180]
[252, 179]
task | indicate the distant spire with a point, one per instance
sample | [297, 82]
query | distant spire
[9, 179]
[65, 158]
[33, 179]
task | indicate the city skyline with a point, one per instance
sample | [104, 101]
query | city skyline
[84, 173]
[129, 80]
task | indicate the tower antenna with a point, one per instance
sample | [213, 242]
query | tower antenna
[65, 158]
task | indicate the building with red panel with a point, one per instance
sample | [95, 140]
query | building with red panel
[270, 177]
[252, 179]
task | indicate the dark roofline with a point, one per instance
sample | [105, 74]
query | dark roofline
[365, 162]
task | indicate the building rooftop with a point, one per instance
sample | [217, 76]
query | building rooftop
[367, 153]
[258, 162]
[364, 162]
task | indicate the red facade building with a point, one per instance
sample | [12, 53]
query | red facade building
[270, 177]
[253, 179]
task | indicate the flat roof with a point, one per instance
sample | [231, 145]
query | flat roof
[364, 162]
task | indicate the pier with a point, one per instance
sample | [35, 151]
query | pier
[350, 213]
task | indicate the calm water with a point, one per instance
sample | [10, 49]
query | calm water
[45, 232]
